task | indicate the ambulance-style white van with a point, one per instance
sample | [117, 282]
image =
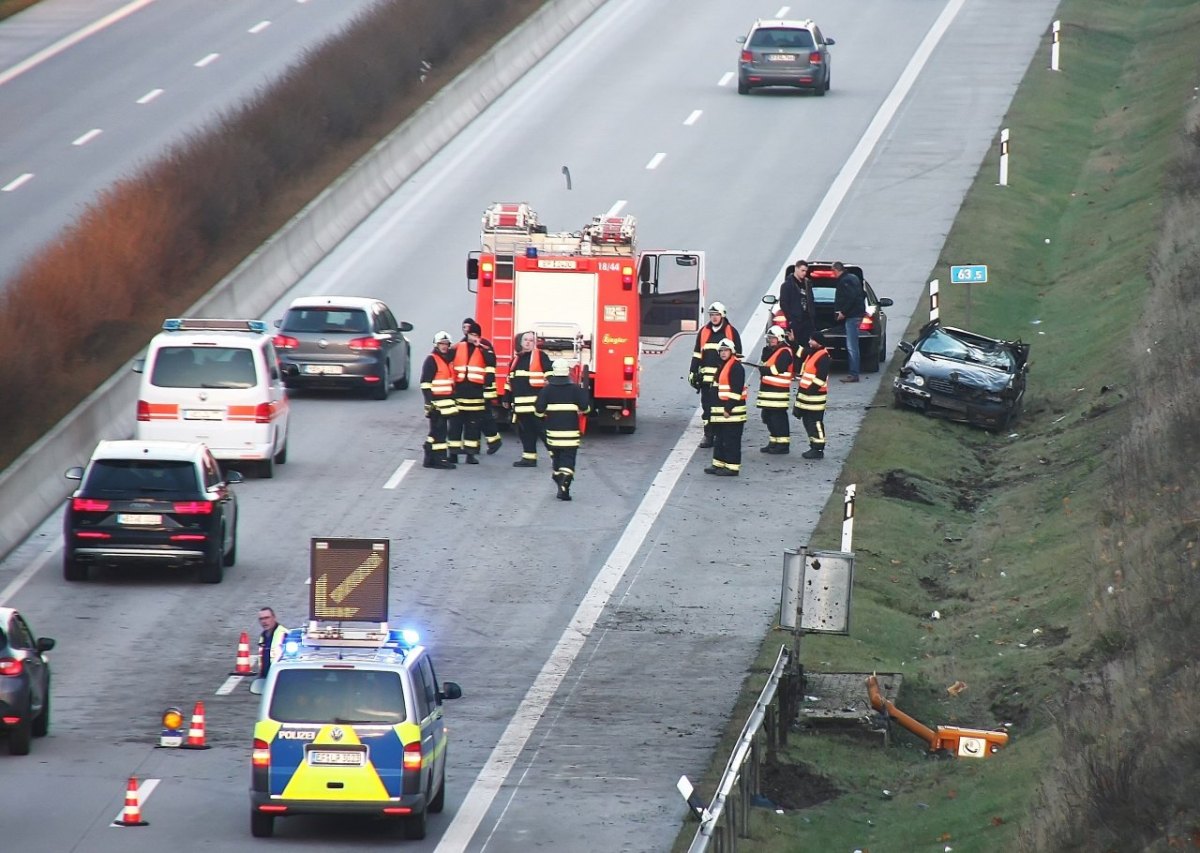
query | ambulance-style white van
[217, 382]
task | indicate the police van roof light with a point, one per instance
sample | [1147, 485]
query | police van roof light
[206, 324]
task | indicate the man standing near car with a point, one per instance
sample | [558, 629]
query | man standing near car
[850, 306]
[796, 302]
[270, 641]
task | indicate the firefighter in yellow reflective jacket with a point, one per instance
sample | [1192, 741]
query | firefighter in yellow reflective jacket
[437, 386]
[702, 375]
[563, 405]
[471, 378]
[728, 415]
[525, 381]
[775, 391]
[811, 394]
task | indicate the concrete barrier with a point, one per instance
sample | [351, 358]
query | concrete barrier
[33, 487]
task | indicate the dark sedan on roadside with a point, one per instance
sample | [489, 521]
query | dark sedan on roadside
[963, 376]
[24, 682]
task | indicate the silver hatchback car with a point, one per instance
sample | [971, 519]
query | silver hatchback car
[780, 52]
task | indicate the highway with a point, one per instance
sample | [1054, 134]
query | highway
[600, 644]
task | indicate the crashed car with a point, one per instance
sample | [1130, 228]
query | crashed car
[963, 376]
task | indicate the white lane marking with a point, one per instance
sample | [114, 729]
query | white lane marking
[17, 183]
[616, 209]
[208, 60]
[88, 137]
[70, 41]
[395, 479]
[145, 789]
[656, 160]
[725, 78]
[259, 27]
[20, 580]
[230, 685]
[487, 784]
[508, 749]
[694, 117]
[149, 96]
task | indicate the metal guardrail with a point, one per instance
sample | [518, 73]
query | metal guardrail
[727, 818]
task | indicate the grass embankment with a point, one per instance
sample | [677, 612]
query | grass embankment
[8, 8]
[1061, 557]
[150, 246]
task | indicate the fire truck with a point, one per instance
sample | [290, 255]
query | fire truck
[590, 296]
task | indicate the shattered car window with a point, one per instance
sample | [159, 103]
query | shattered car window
[942, 343]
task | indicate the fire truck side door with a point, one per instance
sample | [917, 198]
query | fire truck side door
[671, 288]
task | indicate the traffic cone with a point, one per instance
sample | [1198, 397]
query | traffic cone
[243, 666]
[195, 736]
[131, 815]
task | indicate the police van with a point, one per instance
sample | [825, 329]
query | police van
[217, 382]
[351, 715]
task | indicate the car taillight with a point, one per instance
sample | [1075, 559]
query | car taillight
[193, 507]
[11, 666]
[747, 56]
[188, 537]
[285, 342]
[814, 58]
[92, 534]
[359, 344]
[412, 756]
[262, 413]
[823, 274]
[867, 324]
[261, 756]
[629, 367]
[89, 505]
[143, 410]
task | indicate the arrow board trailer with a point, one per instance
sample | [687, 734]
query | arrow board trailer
[590, 296]
[348, 581]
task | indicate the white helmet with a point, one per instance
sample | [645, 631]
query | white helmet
[717, 308]
[775, 332]
[727, 344]
[442, 336]
[561, 367]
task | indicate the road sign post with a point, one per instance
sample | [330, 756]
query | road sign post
[969, 274]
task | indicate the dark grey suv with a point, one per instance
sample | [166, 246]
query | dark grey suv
[784, 53]
[24, 682]
[350, 342]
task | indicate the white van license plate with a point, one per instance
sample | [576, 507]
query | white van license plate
[138, 518]
[202, 414]
[323, 369]
[336, 758]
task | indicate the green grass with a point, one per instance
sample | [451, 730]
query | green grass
[1005, 536]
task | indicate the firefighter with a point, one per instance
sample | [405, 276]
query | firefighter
[470, 386]
[525, 381]
[703, 372]
[562, 404]
[775, 391]
[437, 386]
[728, 412]
[487, 423]
[811, 394]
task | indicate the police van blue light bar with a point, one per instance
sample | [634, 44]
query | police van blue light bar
[204, 324]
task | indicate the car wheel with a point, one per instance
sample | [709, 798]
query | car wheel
[821, 90]
[41, 725]
[266, 468]
[743, 89]
[19, 736]
[828, 82]
[230, 558]
[281, 456]
[439, 802]
[402, 382]
[73, 570]
[414, 827]
[262, 825]
[876, 359]
[384, 386]
[213, 569]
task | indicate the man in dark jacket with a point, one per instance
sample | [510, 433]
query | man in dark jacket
[850, 306]
[796, 303]
[562, 404]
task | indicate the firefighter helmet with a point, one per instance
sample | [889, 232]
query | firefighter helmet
[727, 344]
[717, 308]
[775, 332]
[442, 336]
[561, 367]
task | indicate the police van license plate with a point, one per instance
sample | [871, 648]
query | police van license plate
[323, 369]
[336, 758]
[202, 414]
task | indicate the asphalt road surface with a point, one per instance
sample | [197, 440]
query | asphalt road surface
[600, 644]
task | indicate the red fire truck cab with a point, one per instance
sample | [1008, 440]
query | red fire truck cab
[590, 296]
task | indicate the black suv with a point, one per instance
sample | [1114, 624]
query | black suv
[24, 682]
[156, 502]
[784, 53]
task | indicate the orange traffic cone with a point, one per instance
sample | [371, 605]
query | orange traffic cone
[243, 656]
[195, 736]
[131, 815]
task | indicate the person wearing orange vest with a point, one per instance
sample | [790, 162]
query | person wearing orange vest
[728, 416]
[437, 386]
[702, 375]
[811, 395]
[471, 377]
[525, 381]
[487, 423]
[563, 404]
[775, 391]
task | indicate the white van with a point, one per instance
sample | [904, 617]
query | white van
[217, 382]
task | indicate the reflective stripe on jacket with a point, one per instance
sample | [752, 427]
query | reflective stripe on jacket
[469, 363]
[814, 381]
[775, 389]
[527, 378]
[705, 360]
[731, 394]
[561, 404]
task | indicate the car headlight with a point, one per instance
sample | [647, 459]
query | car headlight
[914, 379]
